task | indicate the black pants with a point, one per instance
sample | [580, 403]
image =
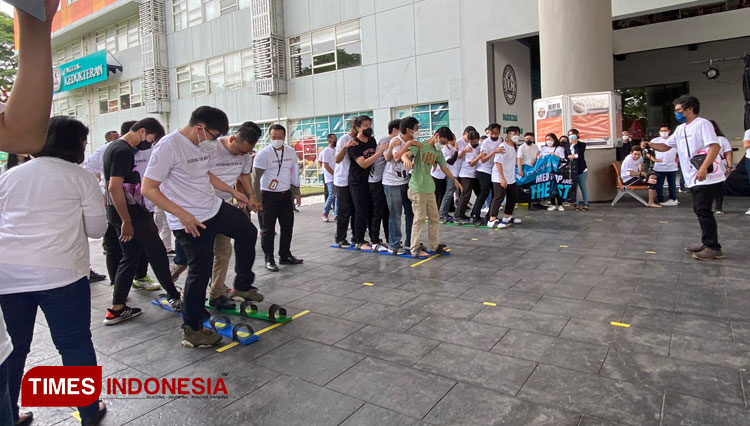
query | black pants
[345, 212]
[440, 187]
[113, 254]
[229, 221]
[277, 206]
[145, 239]
[360, 193]
[703, 198]
[485, 187]
[719, 197]
[379, 212]
[500, 193]
[468, 184]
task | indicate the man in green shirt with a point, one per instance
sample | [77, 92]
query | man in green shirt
[421, 158]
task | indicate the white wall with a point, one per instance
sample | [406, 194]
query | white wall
[518, 56]
[721, 99]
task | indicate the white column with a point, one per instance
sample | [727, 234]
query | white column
[575, 38]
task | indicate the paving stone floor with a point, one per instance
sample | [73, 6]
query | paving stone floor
[420, 346]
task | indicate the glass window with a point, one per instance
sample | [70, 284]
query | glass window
[122, 35]
[228, 6]
[136, 97]
[248, 73]
[101, 37]
[198, 78]
[349, 56]
[232, 71]
[133, 32]
[323, 41]
[212, 9]
[194, 12]
[431, 117]
[216, 74]
[326, 50]
[179, 14]
[183, 81]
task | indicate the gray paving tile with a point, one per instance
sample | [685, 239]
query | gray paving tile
[287, 401]
[309, 361]
[281, 295]
[598, 396]
[388, 345]
[701, 380]
[384, 316]
[579, 309]
[327, 305]
[536, 322]
[579, 356]
[372, 415]
[664, 301]
[741, 331]
[329, 286]
[618, 338]
[572, 291]
[502, 297]
[120, 409]
[454, 308]
[112, 339]
[596, 280]
[380, 279]
[688, 410]
[435, 288]
[467, 405]
[593, 421]
[649, 319]
[709, 351]
[320, 328]
[698, 325]
[385, 296]
[459, 332]
[401, 389]
[481, 368]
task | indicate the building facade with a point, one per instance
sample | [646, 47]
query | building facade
[313, 64]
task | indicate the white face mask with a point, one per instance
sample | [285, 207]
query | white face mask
[550, 143]
[208, 145]
[439, 146]
[664, 134]
[515, 138]
[277, 143]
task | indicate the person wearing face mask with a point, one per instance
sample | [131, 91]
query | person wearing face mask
[450, 154]
[470, 157]
[363, 152]
[565, 145]
[504, 182]
[489, 148]
[133, 223]
[665, 166]
[328, 163]
[396, 186]
[624, 150]
[421, 158]
[527, 153]
[345, 205]
[632, 171]
[279, 182]
[726, 163]
[379, 214]
[179, 182]
[552, 147]
[578, 154]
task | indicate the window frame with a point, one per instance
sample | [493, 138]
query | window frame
[302, 46]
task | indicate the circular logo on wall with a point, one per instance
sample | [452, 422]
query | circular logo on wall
[510, 85]
[56, 80]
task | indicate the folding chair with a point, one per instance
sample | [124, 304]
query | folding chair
[623, 189]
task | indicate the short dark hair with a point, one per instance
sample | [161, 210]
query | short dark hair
[152, 127]
[247, 134]
[445, 132]
[573, 131]
[66, 139]
[358, 120]
[212, 118]
[473, 135]
[394, 124]
[688, 101]
[528, 134]
[556, 142]
[513, 129]
[469, 129]
[636, 148]
[717, 130]
[407, 123]
[277, 127]
[487, 128]
[483, 137]
[252, 125]
[109, 134]
[126, 126]
[331, 134]
[494, 126]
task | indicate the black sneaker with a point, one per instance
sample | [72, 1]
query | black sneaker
[94, 277]
[343, 244]
[222, 302]
[124, 314]
[175, 303]
[291, 260]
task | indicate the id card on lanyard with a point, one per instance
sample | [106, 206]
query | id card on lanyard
[275, 182]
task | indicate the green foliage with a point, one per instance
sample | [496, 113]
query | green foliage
[8, 63]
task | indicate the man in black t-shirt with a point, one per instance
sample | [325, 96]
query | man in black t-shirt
[363, 155]
[127, 213]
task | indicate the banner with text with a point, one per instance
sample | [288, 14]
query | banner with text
[550, 175]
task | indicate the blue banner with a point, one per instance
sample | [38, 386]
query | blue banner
[550, 176]
[81, 72]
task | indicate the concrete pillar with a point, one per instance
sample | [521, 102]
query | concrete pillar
[575, 40]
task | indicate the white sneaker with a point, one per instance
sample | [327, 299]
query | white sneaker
[485, 211]
[566, 204]
[551, 208]
[513, 220]
[382, 248]
[560, 209]
[669, 203]
[719, 212]
[493, 223]
[747, 212]
[502, 225]
[146, 283]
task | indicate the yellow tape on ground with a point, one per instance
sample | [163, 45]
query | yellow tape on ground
[229, 346]
[76, 415]
[650, 252]
[426, 260]
[258, 333]
[563, 246]
[368, 284]
[489, 304]
[475, 239]
[619, 324]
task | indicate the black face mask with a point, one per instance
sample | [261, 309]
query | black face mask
[368, 132]
[529, 142]
[474, 145]
[144, 145]
[494, 139]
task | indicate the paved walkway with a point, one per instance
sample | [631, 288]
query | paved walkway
[422, 347]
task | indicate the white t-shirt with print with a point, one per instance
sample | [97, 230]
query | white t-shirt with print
[328, 156]
[487, 147]
[95, 164]
[508, 160]
[395, 173]
[467, 170]
[669, 158]
[378, 167]
[528, 153]
[141, 159]
[341, 172]
[448, 152]
[182, 168]
[551, 150]
[461, 144]
[630, 165]
[747, 138]
[286, 175]
[726, 147]
[5, 345]
[228, 167]
[700, 136]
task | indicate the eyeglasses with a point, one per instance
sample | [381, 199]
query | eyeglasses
[211, 133]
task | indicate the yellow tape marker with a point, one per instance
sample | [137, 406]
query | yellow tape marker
[76, 415]
[619, 324]
[369, 284]
[650, 252]
[663, 221]
[258, 333]
[229, 346]
[598, 220]
[426, 260]
[489, 304]
[475, 239]
[563, 246]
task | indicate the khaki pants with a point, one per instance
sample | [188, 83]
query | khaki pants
[425, 207]
[222, 254]
[164, 232]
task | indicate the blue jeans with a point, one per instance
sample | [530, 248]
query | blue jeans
[331, 201]
[671, 181]
[398, 201]
[582, 178]
[6, 410]
[68, 313]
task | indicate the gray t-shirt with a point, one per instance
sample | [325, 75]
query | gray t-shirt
[376, 171]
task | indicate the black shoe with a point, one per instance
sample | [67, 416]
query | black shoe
[124, 314]
[343, 244]
[94, 277]
[222, 302]
[97, 418]
[27, 420]
[295, 210]
[291, 260]
[271, 266]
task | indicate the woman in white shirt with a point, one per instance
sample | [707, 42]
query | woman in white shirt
[727, 163]
[48, 210]
[467, 174]
[665, 166]
[552, 147]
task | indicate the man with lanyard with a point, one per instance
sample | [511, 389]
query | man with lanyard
[698, 146]
[279, 182]
[127, 213]
[230, 162]
[179, 182]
